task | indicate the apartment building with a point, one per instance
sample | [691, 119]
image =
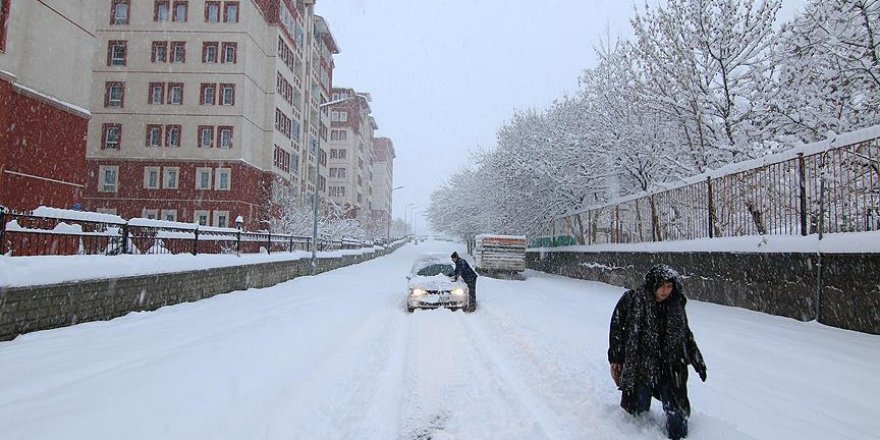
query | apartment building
[204, 111]
[382, 181]
[45, 75]
[351, 151]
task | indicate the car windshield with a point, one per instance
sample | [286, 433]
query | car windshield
[435, 269]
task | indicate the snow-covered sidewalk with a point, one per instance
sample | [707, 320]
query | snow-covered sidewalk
[335, 356]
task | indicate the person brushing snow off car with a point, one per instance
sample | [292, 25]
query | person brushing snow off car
[463, 270]
[650, 347]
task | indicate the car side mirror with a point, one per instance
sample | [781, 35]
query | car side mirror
[408, 277]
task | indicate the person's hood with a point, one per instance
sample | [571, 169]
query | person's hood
[662, 273]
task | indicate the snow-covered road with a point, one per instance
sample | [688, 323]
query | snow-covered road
[336, 357]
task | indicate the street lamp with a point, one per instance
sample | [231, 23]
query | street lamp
[314, 262]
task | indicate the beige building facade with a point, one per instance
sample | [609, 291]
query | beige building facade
[204, 111]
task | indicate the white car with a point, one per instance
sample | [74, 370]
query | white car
[429, 285]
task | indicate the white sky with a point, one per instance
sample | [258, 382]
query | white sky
[445, 74]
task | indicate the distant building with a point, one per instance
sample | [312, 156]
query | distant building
[207, 110]
[46, 48]
[351, 152]
[383, 178]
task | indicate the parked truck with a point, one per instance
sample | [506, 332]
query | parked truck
[503, 256]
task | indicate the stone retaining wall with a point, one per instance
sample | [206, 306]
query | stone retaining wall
[32, 308]
[840, 290]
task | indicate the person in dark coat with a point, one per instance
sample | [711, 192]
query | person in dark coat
[651, 346]
[463, 270]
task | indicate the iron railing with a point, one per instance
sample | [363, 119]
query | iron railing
[827, 187]
[25, 234]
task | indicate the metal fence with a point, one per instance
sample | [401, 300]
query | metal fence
[828, 187]
[25, 234]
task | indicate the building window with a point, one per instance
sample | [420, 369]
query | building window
[200, 217]
[223, 181]
[108, 178]
[161, 9]
[169, 215]
[114, 94]
[116, 52]
[178, 51]
[175, 93]
[294, 130]
[207, 94]
[224, 137]
[154, 135]
[151, 177]
[227, 94]
[180, 12]
[337, 173]
[157, 93]
[281, 159]
[150, 214]
[206, 136]
[106, 211]
[294, 162]
[337, 191]
[338, 135]
[203, 178]
[118, 11]
[212, 12]
[209, 52]
[230, 53]
[111, 136]
[159, 54]
[221, 219]
[282, 123]
[170, 177]
[230, 12]
[4, 16]
[172, 135]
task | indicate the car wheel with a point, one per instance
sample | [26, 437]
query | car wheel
[409, 309]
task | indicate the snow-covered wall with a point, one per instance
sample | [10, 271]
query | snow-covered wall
[32, 308]
[837, 289]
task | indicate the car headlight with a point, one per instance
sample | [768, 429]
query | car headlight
[418, 292]
[458, 291]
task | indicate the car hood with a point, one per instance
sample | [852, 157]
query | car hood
[439, 282]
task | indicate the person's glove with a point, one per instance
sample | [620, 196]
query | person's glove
[701, 370]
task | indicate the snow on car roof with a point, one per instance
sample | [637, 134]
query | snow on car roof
[427, 259]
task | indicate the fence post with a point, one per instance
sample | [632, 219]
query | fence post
[2, 228]
[290, 243]
[238, 242]
[125, 238]
[615, 232]
[655, 220]
[802, 174]
[196, 243]
[821, 205]
[711, 202]
[269, 244]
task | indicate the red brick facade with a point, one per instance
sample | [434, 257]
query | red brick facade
[248, 196]
[43, 154]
